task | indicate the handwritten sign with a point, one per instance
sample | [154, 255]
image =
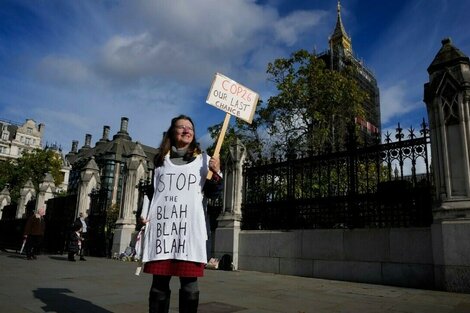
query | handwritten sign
[170, 231]
[172, 212]
[233, 98]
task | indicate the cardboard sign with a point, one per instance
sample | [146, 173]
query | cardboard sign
[233, 98]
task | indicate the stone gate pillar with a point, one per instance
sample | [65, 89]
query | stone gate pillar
[228, 230]
[5, 199]
[26, 193]
[447, 97]
[125, 225]
[46, 191]
[89, 179]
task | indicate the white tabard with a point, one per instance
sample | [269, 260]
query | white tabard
[177, 226]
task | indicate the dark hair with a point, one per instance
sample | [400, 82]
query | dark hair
[169, 140]
[77, 226]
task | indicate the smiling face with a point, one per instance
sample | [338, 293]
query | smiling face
[183, 133]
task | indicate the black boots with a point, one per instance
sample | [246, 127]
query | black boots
[189, 301]
[159, 301]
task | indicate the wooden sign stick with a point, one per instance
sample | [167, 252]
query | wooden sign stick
[220, 140]
[233, 98]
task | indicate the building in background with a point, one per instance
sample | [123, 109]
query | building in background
[105, 179]
[17, 138]
[111, 157]
[339, 55]
[62, 186]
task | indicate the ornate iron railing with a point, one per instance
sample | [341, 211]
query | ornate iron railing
[381, 185]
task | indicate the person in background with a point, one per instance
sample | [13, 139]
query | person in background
[75, 242]
[83, 221]
[175, 237]
[34, 234]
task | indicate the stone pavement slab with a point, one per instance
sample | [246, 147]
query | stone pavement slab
[53, 284]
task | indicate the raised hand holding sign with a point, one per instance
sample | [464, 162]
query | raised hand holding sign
[233, 98]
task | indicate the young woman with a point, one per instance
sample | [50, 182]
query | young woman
[176, 234]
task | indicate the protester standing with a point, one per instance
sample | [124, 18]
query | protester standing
[175, 233]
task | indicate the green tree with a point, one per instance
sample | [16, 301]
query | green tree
[31, 165]
[313, 109]
[314, 106]
[8, 173]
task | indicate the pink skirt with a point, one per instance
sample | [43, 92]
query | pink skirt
[174, 268]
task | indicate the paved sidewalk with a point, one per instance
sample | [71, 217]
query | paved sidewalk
[53, 284]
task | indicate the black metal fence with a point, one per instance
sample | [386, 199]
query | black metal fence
[11, 233]
[9, 211]
[381, 185]
[11, 228]
[60, 215]
[99, 234]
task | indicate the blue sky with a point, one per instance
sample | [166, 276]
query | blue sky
[79, 65]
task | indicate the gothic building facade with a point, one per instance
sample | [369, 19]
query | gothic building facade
[111, 156]
[113, 167]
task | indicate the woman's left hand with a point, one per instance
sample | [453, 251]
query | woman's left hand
[214, 164]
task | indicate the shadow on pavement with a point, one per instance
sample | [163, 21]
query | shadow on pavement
[59, 258]
[218, 307]
[17, 256]
[58, 300]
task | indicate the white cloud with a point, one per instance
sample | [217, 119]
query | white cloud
[189, 41]
[290, 27]
[63, 71]
[181, 41]
[394, 102]
[133, 56]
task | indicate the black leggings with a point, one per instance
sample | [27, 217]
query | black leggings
[162, 283]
